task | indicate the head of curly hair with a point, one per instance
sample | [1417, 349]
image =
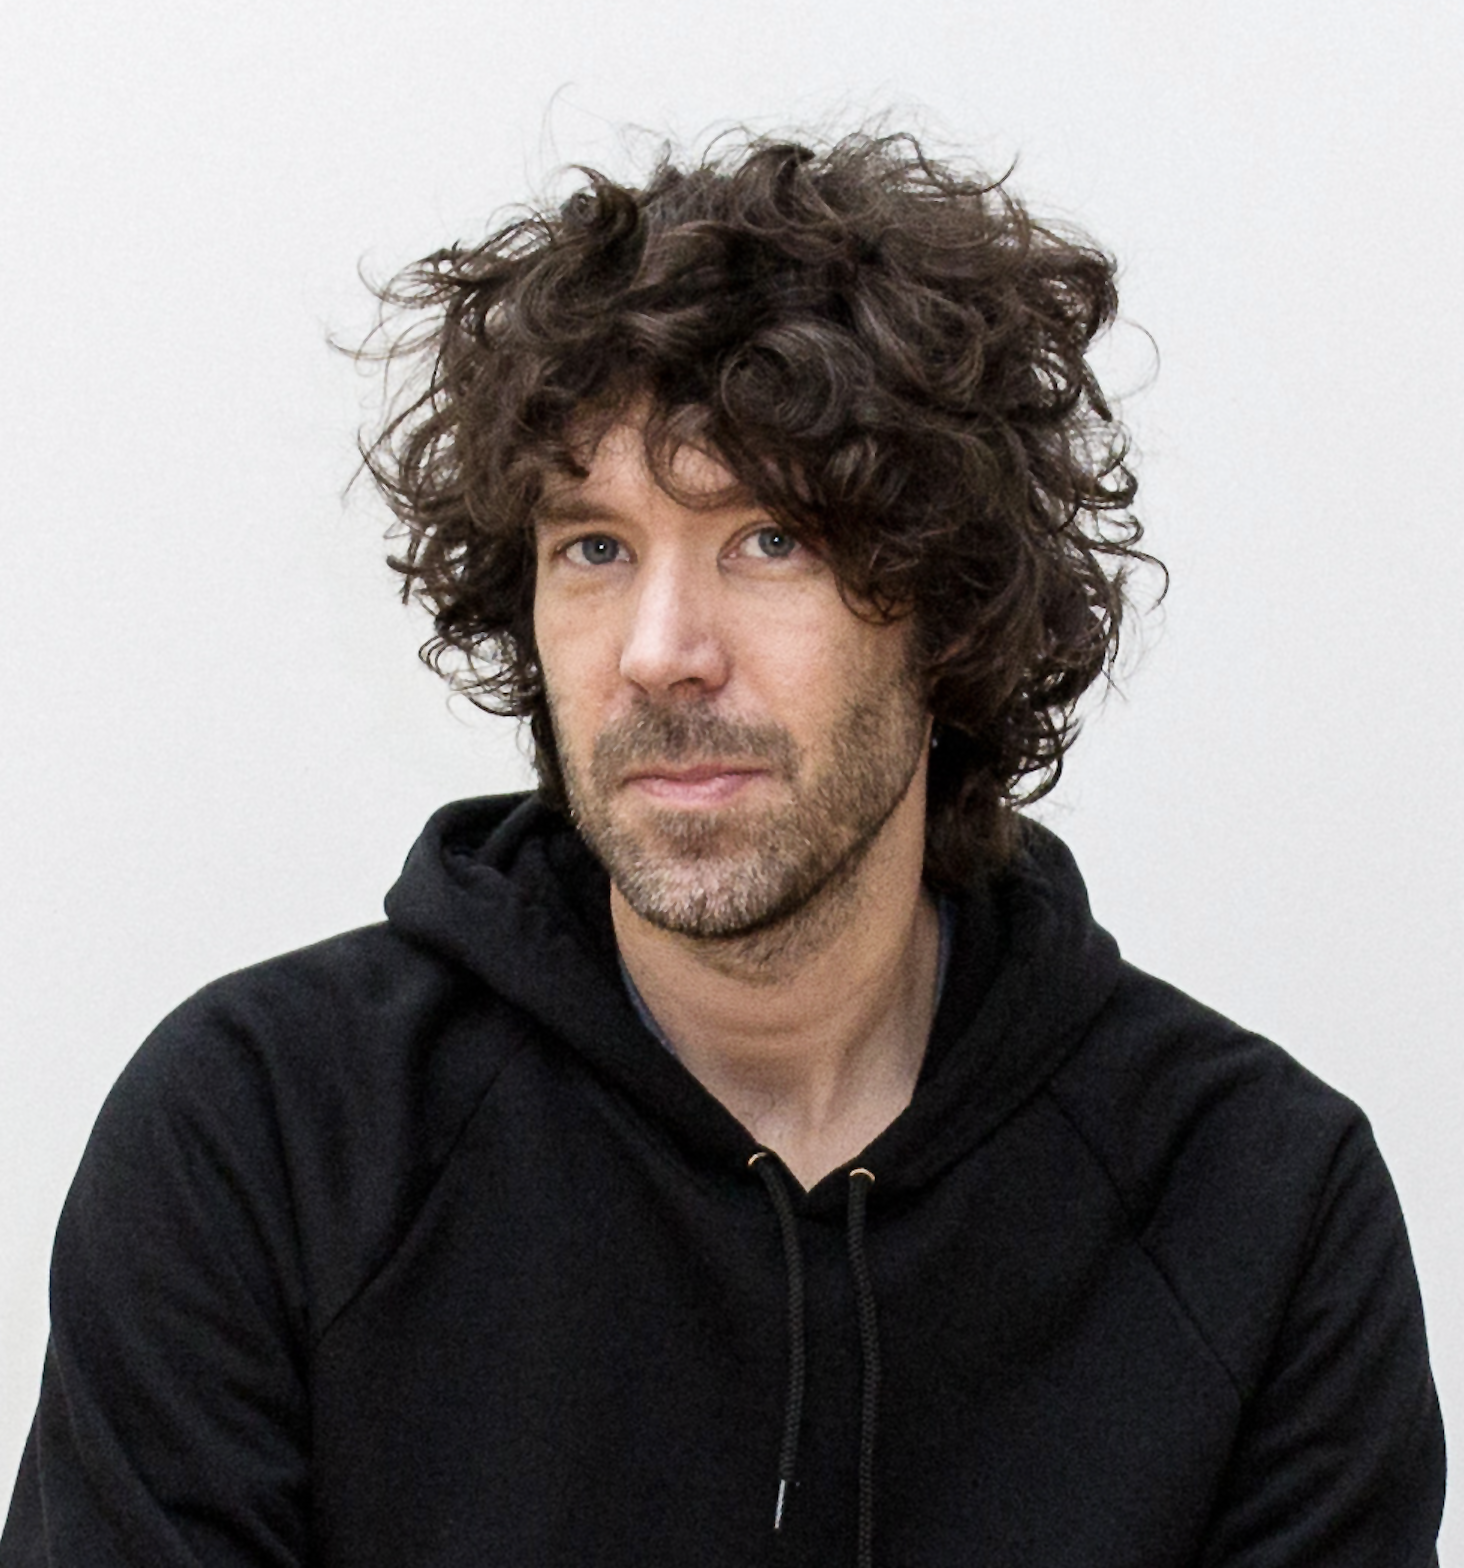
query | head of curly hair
[887, 353]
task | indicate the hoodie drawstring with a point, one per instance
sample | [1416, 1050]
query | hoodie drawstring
[860, 1181]
[793, 1263]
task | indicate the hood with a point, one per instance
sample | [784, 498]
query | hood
[506, 888]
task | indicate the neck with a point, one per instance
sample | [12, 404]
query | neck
[812, 1032]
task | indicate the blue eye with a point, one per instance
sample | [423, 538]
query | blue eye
[596, 549]
[775, 542]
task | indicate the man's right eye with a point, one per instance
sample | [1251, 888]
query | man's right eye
[594, 550]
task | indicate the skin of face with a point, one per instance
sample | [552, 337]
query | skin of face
[733, 736]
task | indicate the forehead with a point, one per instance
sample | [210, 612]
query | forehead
[624, 462]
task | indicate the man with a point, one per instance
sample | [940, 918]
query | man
[747, 1149]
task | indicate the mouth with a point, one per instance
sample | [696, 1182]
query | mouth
[700, 784]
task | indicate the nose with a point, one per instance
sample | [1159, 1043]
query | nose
[674, 643]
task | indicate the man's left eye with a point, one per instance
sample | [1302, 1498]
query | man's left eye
[774, 543]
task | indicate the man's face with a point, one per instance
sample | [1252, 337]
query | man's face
[733, 737]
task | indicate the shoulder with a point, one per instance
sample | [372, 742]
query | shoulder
[1258, 1195]
[1233, 1162]
[310, 1100]
[1160, 1071]
[351, 1029]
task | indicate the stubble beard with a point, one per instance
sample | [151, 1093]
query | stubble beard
[748, 873]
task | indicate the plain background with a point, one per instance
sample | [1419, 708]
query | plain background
[217, 743]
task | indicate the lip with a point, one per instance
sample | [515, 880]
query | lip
[704, 784]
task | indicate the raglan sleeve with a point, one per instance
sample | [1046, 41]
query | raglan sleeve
[172, 1426]
[1340, 1458]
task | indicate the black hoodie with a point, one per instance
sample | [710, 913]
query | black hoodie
[415, 1248]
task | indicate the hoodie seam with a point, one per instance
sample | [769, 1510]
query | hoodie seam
[1136, 1236]
[400, 1239]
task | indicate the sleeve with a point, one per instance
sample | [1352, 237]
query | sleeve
[1340, 1458]
[172, 1427]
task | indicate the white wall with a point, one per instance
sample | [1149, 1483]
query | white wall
[216, 743]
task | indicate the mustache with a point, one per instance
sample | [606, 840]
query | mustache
[688, 734]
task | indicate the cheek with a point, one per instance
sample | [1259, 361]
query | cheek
[805, 686]
[558, 639]
[829, 661]
[578, 678]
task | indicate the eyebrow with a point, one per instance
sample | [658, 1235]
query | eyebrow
[566, 509]
[558, 511]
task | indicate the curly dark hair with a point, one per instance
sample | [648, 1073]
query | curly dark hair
[887, 352]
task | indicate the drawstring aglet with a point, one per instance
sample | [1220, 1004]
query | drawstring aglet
[778, 1512]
